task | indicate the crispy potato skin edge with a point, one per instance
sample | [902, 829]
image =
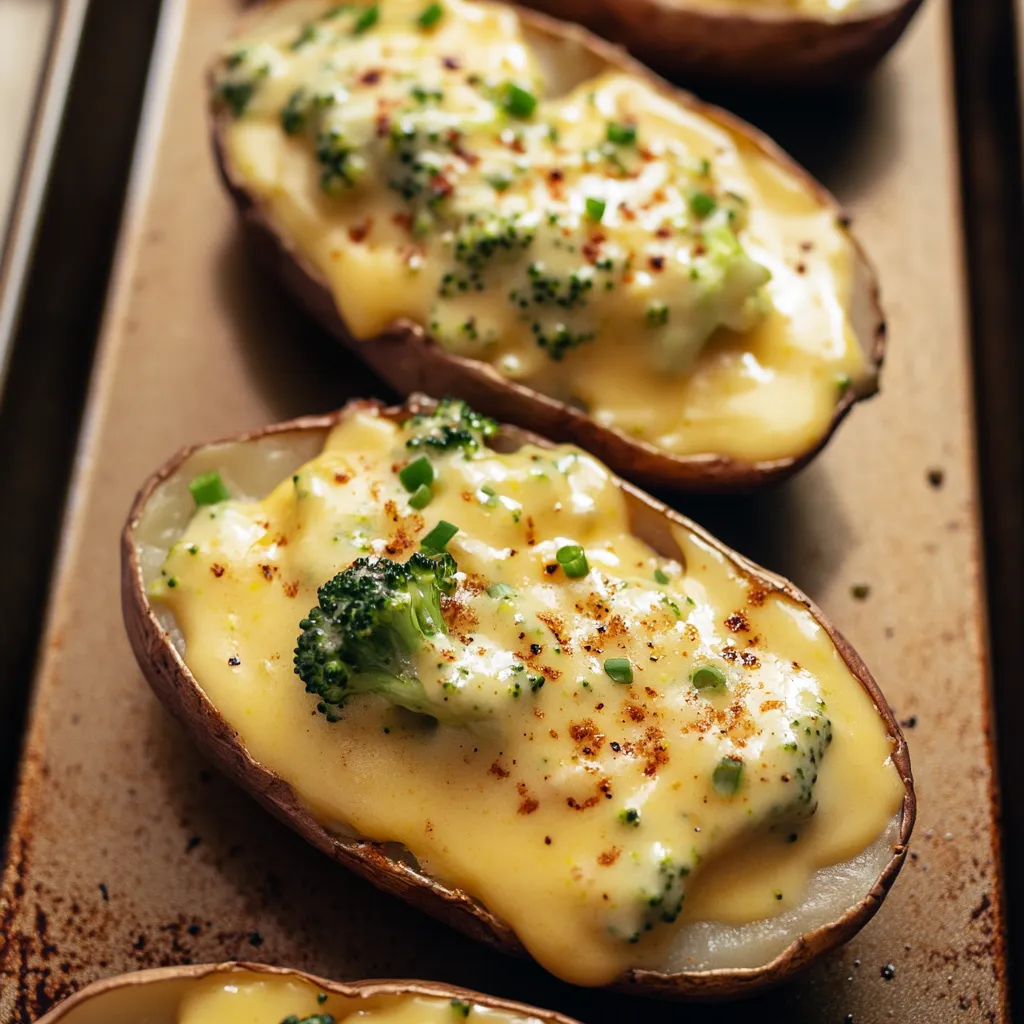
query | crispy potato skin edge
[180, 693]
[767, 50]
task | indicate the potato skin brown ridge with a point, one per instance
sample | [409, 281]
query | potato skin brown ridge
[180, 693]
[352, 989]
[409, 359]
[763, 48]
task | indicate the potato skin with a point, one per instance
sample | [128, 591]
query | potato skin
[180, 693]
[352, 989]
[756, 48]
[407, 358]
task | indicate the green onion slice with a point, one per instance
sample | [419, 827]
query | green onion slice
[701, 204]
[437, 540]
[573, 560]
[708, 677]
[421, 497]
[621, 134]
[517, 101]
[595, 209]
[619, 670]
[431, 15]
[367, 19]
[419, 472]
[727, 776]
[208, 489]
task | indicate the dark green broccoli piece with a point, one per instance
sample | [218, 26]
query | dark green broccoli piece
[315, 1018]
[659, 898]
[483, 235]
[244, 71]
[343, 165]
[450, 426]
[559, 339]
[369, 623]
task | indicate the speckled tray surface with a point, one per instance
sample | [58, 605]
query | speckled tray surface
[127, 851]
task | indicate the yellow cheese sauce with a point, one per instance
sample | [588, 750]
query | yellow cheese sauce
[270, 1000]
[600, 243]
[578, 775]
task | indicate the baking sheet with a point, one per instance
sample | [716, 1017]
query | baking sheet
[127, 851]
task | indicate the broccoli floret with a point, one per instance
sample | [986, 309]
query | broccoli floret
[343, 165]
[369, 623]
[450, 426]
[559, 339]
[483, 235]
[241, 75]
[659, 897]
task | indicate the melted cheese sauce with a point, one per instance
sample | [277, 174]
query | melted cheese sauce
[675, 283]
[585, 811]
[274, 1000]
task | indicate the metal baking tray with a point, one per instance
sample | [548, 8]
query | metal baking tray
[126, 850]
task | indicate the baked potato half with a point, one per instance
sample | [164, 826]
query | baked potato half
[540, 705]
[505, 207]
[790, 44]
[214, 993]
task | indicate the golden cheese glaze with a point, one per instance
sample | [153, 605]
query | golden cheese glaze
[583, 809]
[606, 246]
[276, 1000]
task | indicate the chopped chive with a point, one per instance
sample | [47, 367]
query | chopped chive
[461, 1008]
[621, 134]
[321, 998]
[421, 497]
[307, 35]
[431, 15]
[619, 670]
[843, 383]
[657, 314]
[630, 816]
[573, 560]
[417, 473]
[367, 19]
[437, 540]
[726, 777]
[208, 489]
[701, 204]
[660, 577]
[293, 113]
[490, 496]
[708, 677]
[595, 209]
[518, 101]
[500, 590]
[499, 181]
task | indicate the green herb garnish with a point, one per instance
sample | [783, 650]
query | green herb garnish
[573, 560]
[619, 670]
[437, 540]
[208, 489]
